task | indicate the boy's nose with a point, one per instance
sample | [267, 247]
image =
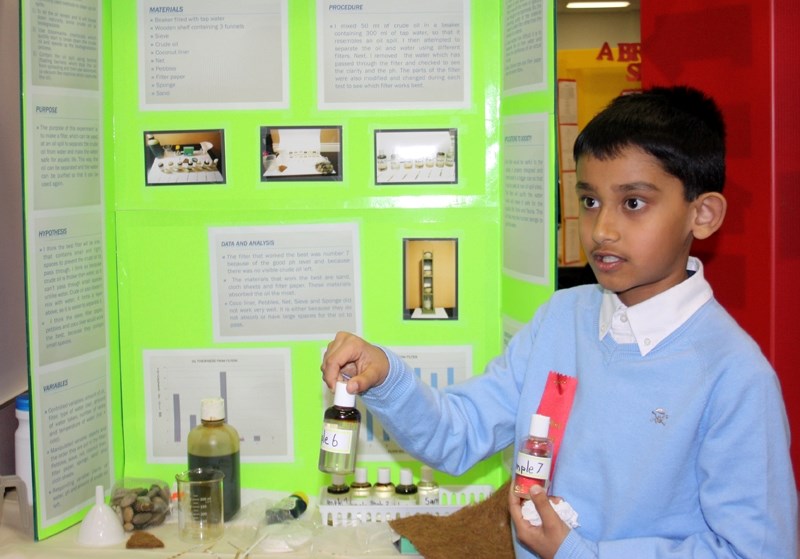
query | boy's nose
[604, 229]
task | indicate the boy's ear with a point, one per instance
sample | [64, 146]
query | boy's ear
[710, 208]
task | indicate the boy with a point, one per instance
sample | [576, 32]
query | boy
[677, 440]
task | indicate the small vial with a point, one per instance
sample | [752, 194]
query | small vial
[22, 444]
[383, 490]
[155, 146]
[287, 509]
[381, 161]
[360, 489]
[337, 454]
[405, 493]
[337, 493]
[427, 488]
[534, 458]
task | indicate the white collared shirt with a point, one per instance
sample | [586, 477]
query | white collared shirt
[649, 322]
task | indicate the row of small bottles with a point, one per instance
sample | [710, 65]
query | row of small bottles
[441, 159]
[383, 492]
[215, 444]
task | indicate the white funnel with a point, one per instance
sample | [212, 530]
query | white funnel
[101, 525]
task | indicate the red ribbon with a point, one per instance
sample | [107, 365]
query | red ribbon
[556, 403]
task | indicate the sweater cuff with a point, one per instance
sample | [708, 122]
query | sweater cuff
[575, 547]
[396, 381]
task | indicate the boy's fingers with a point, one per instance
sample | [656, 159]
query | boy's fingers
[542, 503]
[514, 506]
[331, 366]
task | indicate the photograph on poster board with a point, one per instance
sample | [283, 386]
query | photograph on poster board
[430, 279]
[301, 153]
[181, 157]
[424, 156]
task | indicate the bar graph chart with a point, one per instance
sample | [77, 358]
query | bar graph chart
[437, 366]
[256, 387]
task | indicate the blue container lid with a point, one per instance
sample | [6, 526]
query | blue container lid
[24, 402]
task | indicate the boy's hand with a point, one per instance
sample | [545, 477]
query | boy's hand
[545, 539]
[350, 356]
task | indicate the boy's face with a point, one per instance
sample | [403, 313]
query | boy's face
[635, 224]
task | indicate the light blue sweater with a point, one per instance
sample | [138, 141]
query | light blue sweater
[711, 478]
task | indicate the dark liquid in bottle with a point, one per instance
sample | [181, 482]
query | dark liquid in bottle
[231, 485]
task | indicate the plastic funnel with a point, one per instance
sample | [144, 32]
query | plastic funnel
[101, 525]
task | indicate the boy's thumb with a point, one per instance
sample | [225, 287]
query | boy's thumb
[541, 501]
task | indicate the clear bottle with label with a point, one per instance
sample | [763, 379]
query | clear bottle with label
[383, 490]
[22, 444]
[361, 488]
[337, 454]
[534, 458]
[405, 493]
[215, 444]
[427, 488]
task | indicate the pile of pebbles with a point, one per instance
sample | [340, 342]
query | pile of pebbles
[142, 506]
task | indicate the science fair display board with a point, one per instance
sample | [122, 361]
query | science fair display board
[214, 190]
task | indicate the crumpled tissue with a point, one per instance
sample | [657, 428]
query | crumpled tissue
[563, 508]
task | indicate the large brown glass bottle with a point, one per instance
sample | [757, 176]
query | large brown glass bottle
[215, 444]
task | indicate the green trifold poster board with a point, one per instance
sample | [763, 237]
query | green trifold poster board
[214, 190]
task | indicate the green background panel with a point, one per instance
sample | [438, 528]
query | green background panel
[161, 233]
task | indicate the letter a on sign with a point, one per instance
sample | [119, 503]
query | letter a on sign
[605, 53]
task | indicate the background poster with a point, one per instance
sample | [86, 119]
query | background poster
[203, 53]
[256, 385]
[392, 55]
[67, 300]
[285, 282]
[525, 42]
[526, 198]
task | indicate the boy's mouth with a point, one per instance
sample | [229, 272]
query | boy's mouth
[606, 262]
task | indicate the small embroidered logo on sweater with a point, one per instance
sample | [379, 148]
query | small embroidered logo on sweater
[659, 416]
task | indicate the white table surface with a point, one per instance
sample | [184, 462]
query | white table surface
[373, 541]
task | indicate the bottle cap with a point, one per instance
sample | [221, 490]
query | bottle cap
[426, 473]
[23, 402]
[405, 476]
[540, 426]
[360, 475]
[301, 503]
[342, 397]
[384, 475]
[337, 479]
[212, 409]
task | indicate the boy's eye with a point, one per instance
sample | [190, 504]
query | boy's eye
[634, 203]
[588, 202]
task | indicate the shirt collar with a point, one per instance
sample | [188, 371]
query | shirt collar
[656, 318]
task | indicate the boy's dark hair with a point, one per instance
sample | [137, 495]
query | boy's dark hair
[680, 126]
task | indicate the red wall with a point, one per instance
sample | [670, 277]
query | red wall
[744, 53]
